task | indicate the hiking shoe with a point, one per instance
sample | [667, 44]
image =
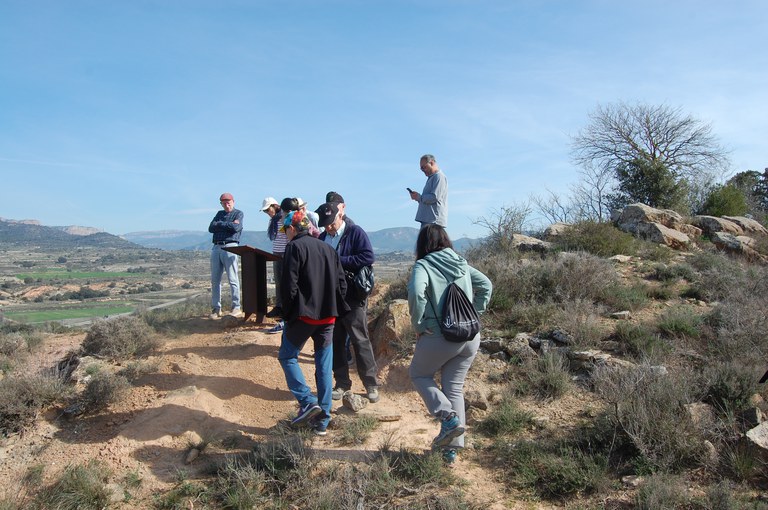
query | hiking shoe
[306, 413]
[275, 312]
[337, 393]
[319, 430]
[215, 313]
[450, 428]
[373, 394]
[449, 455]
[277, 328]
[236, 312]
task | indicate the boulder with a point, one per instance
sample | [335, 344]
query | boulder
[555, 230]
[527, 243]
[712, 224]
[353, 402]
[658, 233]
[518, 348]
[635, 214]
[390, 327]
[747, 224]
[740, 245]
[758, 436]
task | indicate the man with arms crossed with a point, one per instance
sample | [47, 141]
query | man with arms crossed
[226, 228]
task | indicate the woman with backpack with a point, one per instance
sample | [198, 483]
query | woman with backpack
[436, 267]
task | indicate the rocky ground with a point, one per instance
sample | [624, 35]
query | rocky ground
[219, 382]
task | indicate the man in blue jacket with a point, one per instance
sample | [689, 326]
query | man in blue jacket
[226, 227]
[355, 251]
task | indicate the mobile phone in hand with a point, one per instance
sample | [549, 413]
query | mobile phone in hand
[409, 190]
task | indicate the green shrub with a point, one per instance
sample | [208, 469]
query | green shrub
[729, 386]
[506, 419]
[357, 430]
[23, 397]
[103, 389]
[601, 239]
[80, 487]
[619, 297]
[120, 338]
[546, 378]
[641, 341]
[418, 468]
[674, 272]
[648, 407]
[661, 492]
[681, 322]
[582, 319]
[725, 201]
[553, 471]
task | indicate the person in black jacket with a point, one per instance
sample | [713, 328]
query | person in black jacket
[355, 251]
[313, 288]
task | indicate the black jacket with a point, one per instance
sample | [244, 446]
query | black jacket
[313, 283]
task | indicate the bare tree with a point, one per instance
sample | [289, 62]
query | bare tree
[619, 136]
[503, 223]
[555, 208]
[592, 193]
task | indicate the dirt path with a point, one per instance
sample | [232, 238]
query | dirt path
[216, 381]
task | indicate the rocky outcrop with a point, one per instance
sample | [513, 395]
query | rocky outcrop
[740, 245]
[658, 233]
[555, 230]
[747, 224]
[389, 329]
[712, 224]
[669, 228]
[634, 214]
[527, 243]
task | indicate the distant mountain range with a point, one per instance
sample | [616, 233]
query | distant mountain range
[388, 240]
[31, 233]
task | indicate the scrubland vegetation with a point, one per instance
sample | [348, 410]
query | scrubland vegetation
[695, 337]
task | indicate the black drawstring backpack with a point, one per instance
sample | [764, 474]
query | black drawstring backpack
[460, 322]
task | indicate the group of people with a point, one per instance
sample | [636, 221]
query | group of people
[321, 255]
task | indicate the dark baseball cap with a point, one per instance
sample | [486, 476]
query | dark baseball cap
[327, 214]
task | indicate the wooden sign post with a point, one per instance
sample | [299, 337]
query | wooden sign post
[254, 279]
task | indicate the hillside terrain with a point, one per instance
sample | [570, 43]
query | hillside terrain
[613, 374]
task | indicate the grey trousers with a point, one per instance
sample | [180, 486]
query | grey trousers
[453, 360]
[355, 324]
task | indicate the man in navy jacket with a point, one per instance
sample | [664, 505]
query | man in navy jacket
[355, 251]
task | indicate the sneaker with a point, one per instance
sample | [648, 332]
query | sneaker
[319, 430]
[279, 327]
[275, 312]
[373, 394]
[306, 413]
[449, 455]
[236, 312]
[450, 428]
[215, 313]
[337, 393]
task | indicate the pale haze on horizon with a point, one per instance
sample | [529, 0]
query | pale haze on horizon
[135, 115]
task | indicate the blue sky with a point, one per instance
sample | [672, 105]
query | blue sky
[135, 115]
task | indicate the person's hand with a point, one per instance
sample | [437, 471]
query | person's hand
[236, 221]
[415, 196]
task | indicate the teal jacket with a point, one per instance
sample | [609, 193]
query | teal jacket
[427, 286]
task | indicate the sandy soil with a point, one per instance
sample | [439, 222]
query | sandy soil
[215, 380]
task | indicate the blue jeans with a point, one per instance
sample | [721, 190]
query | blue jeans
[295, 335]
[453, 360]
[224, 261]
